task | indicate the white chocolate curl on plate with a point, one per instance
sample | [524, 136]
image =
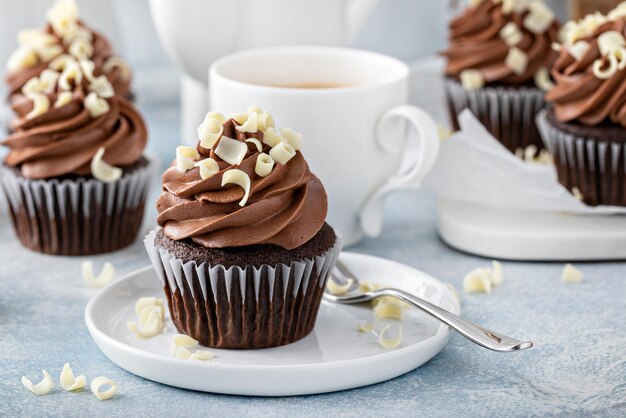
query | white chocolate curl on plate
[41, 388]
[272, 138]
[152, 326]
[103, 171]
[389, 342]
[208, 168]
[117, 62]
[98, 383]
[185, 158]
[69, 382]
[282, 153]
[388, 310]
[210, 131]
[41, 104]
[182, 353]
[182, 340]
[231, 150]
[202, 355]
[264, 165]
[95, 105]
[365, 327]
[571, 274]
[239, 178]
[293, 138]
[250, 125]
[256, 143]
[147, 302]
[104, 278]
[240, 118]
[338, 289]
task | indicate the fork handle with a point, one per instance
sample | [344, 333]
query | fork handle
[481, 336]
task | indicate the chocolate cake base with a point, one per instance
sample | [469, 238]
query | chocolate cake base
[272, 299]
[74, 215]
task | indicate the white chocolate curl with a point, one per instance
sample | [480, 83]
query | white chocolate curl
[264, 121]
[35, 38]
[147, 302]
[240, 118]
[293, 138]
[208, 168]
[272, 138]
[23, 57]
[103, 171]
[338, 289]
[365, 327]
[96, 106]
[152, 326]
[578, 49]
[477, 280]
[510, 34]
[81, 49]
[215, 115]
[42, 388]
[202, 355]
[117, 62]
[388, 310]
[104, 278]
[102, 87]
[98, 383]
[45, 83]
[182, 353]
[542, 79]
[63, 98]
[239, 178]
[63, 17]
[516, 60]
[61, 62]
[389, 342]
[256, 143]
[41, 104]
[69, 382]
[185, 158]
[540, 17]
[571, 274]
[231, 150]
[471, 79]
[182, 340]
[250, 125]
[71, 74]
[609, 41]
[264, 165]
[609, 71]
[210, 131]
[254, 109]
[282, 153]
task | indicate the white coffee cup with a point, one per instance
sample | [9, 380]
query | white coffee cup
[351, 107]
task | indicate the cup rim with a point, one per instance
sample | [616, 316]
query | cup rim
[214, 69]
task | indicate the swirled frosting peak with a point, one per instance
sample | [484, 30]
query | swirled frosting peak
[590, 71]
[245, 183]
[501, 42]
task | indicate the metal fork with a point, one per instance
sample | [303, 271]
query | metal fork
[475, 333]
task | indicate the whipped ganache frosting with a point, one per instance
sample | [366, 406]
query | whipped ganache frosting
[245, 183]
[502, 42]
[590, 72]
[64, 35]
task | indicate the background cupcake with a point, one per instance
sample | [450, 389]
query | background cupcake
[585, 126]
[75, 177]
[64, 35]
[497, 65]
[244, 251]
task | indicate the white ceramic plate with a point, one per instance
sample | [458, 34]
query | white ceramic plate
[335, 356]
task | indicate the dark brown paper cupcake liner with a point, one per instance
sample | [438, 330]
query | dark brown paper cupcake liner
[76, 216]
[243, 307]
[508, 113]
[597, 168]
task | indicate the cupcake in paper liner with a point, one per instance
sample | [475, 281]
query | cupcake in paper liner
[243, 251]
[584, 128]
[497, 66]
[75, 176]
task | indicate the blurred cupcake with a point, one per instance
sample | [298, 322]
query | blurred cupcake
[584, 128]
[243, 252]
[497, 66]
[64, 35]
[75, 177]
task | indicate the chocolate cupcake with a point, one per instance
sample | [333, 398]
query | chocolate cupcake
[64, 36]
[584, 128]
[243, 251]
[75, 176]
[497, 66]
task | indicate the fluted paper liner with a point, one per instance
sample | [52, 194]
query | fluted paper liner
[596, 168]
[508, 113]
[76, 217]
[243, 306]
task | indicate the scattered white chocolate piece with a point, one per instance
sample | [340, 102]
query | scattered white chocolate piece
[41, 104]
[231, 150]
[256, 143]
[510, 34]
[182, 353]
[542, 79]
[389, 342]
[293, 138]
[69, 382]
[144, 315]
[23, 57]
[95, 105]
[63, 16]
[210, 131]
[282, 153]
[477, 280]
[208, 168]
[152, 327]
[98, 383]
[497, 273]
[182, 340]
[471, 79]
[185, 158]
[239, 178]
[516, 60]
[117, 62]
[571, 274]
[540, 17]
[272, 138]
[577, 193]
[147, 302]
[63, 98]
[338, 289]
[250, 125]
[264, 165]
[104, 278]
[388, 310]
[103, 171]
[42, 388]
[365, 327]
[202, 355]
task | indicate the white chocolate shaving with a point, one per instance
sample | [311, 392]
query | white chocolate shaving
[254, 109]
[41, 104]
[388, 310]
[43, 387]
[63, 17]
[117, 62]
[510, 34]
[389, 342]
[251, 124]
[497, 273]
[47, 53]
[239, 178]
[147, 302]
[202, 355]
[516, 60]
[540, 17]
[103, 171]
[515, 6]
[215, 115]
[571, 274]
[45, 83]
[102, 86]
[265, 120]
[182, 353]
[71, 74]
[272, 138]
[87, 67]
[144, 315]
[477, 280]
[182, 340]
[98, 383]
[63, 98]
[264, 165]
[240, 118]
[209, 132]
[23, 57]
[337, 289]
[208, 168]
[256, 143]
[185, 158]
[609, 71]
[35, 38]
[542, 79]
[152, 326]
[578, 49]
[231, 150]
[471, 79]
[81, 49]
[69, 382]
[61, 62]
[609, 41]
[104, 278]
[77, 32]
[282, 153]
[293, 138]
[365, 327]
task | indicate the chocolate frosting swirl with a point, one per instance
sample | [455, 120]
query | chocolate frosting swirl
[581, 96]
[475, 43]
[102, 51]
[286, 208]
[65, 139]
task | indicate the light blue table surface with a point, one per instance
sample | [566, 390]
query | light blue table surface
[577, 368]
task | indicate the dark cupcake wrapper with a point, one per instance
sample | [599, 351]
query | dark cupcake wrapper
[508, 113]
[596, 167]
[76, 216]
[243, 307]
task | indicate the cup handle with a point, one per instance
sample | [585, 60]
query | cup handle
[428, 144]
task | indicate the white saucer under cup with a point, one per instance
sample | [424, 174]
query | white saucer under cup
[335, 356]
